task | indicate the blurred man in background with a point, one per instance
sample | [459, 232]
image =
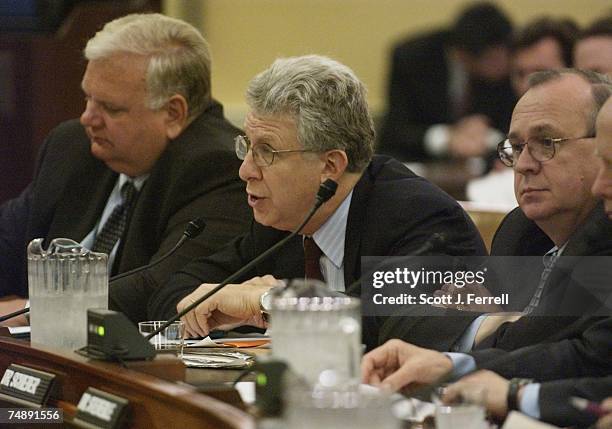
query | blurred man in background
[593, 50]
[449, 90]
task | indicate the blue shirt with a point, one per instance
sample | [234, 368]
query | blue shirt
[330, 238]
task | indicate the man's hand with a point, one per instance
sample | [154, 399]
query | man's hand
[469, 137]
[496, 391]
[234, 305]
[10, 304]
[396, 365]
[606, 421]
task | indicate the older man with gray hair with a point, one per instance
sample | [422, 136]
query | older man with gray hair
[152, 151]
[309, 122]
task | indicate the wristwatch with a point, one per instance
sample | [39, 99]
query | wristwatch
[513, 389]
[265, 304]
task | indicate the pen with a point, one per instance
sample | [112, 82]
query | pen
[588, 406]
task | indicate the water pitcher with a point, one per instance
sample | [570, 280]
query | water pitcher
[64, 281]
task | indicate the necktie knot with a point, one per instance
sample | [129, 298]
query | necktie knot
[128, 193]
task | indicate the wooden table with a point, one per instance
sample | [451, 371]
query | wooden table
[156, 390]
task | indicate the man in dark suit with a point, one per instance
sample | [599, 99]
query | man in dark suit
[309, 122]
[150, 126]
[552, 183]
[548, 401]
[449, 91]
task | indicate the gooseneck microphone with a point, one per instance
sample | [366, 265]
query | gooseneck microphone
[192, 230]
[327, 189]
[15, 314]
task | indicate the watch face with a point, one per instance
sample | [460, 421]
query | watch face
[266, 301]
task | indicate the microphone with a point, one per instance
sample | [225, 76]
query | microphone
[192, 230]
[327, 190]
[436, 241]
[14, 314]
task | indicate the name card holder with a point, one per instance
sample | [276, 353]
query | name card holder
[100, 410]
[26, 386]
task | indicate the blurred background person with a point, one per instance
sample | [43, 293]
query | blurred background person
[545, 43]
[593, 50]
[449, 89]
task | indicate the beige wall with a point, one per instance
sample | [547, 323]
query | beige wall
[246, 35]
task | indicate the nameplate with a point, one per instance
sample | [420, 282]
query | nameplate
[100, 410]
[26, 386]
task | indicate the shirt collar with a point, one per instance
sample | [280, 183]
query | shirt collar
[331, 235]
[138, 181]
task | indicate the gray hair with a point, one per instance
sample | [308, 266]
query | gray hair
[601, 87]
[179, 57]
[327, 101]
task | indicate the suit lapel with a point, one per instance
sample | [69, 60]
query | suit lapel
[82, 204]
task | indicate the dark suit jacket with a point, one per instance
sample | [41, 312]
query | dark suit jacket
[419, 97]
[552, 347]
[555, 407]
[440, 329]
[392, 212]
[197, 175]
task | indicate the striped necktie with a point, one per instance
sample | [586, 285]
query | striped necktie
[115, 224]
[549, 262]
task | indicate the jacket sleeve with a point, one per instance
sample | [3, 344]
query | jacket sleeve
[554, 398]
[584, 355]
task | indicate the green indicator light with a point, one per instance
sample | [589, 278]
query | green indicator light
[262, 380]
[101, 331]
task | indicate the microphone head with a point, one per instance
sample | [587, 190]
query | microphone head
[327, 190]
[194, 228]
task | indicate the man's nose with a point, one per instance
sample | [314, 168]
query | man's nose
[248, 169]
[526, 162]
[91, 115]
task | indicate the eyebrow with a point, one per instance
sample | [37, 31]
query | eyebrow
[544, 129]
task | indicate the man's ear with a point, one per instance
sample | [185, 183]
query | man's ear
[177, 113]
[336, 163]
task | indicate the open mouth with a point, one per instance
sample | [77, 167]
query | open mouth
[254, 199]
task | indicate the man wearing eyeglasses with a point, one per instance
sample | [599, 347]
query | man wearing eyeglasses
[309, 122]
[551, 147]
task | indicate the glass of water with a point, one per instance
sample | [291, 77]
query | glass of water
[467, 411]
[170, 339]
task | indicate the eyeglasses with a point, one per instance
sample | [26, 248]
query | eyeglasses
[540, 148]
[263, 154]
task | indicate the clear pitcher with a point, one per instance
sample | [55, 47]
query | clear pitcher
[317, 331]
[64, 281]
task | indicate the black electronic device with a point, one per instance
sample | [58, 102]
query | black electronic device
[112, 336]
[269, 383]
